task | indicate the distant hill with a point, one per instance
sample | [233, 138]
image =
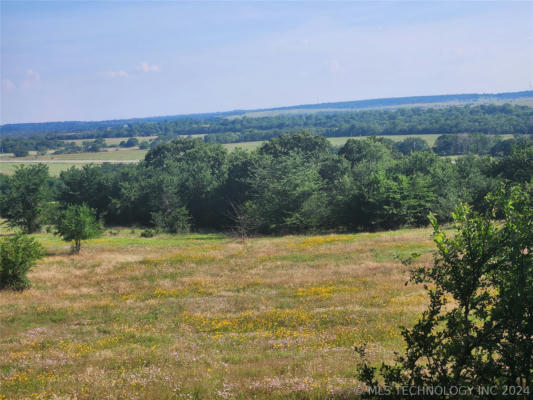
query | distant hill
[66, 127]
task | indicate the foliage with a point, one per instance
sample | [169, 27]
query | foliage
[411, 145]
[287, 194]
[293, 183]
[77, 223]
[175, 221]
[302, 142]
[25, 198]
[131, 142]
[147, 233]
[478, 327]
[494, 119]
[18, 254]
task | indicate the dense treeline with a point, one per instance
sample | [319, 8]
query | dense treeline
[292, 183]
[493, 119]
[69, 127]
[503, 119]
[481, 119]
[22, 147]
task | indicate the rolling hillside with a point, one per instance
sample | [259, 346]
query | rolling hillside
[65, 127]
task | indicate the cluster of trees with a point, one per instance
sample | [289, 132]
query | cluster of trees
[476, 143]
[21, 147]
[292, 183]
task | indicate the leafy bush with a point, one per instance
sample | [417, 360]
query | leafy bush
[17, 255]
[77, 223]
[148, 233]
[176, 221]
[478, 327]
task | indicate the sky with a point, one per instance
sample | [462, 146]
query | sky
[101, 60]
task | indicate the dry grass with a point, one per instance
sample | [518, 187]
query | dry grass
[201, 316]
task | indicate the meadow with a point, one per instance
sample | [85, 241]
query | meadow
[207, 316]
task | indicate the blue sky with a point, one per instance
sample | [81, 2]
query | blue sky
[115, 59]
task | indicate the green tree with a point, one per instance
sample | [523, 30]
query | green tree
[411, 145]
[24, 200]
[484, 335]
[18, 254]
[303, 142]
[518, 165]
[77, 223]
[89, 184]
[183, 173]
[287, 194]
[368, 150]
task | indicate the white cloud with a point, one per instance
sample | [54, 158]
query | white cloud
[33, 75]
[8, 84]
[32, 78]
[145, 67]
[117, 74]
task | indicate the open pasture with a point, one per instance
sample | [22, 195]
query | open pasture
[204, 316]
[111, 141]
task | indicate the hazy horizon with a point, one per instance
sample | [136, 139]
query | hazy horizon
[89, 61]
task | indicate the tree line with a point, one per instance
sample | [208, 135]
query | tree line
[492, 119]
[21, 147]
[292, 183]
[495, 119]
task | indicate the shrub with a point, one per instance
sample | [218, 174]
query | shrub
[78, 223]
[483, 335]
[176, 221]
[148, 233]
[17, 255]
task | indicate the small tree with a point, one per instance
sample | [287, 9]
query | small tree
[484, 335]
[77, 223]
[243, 221]
[177, 220]
[18, 254]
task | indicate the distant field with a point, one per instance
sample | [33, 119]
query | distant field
[58, 163]
[8, 168]
[430, 138]
[118, 155]
[204, 317]
[525, 101]
[243, 145]
[111, 140]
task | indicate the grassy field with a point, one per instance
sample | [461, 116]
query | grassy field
[243, 145]
[110, 141]
[115, 154]
[8, 168]
[61, 162]
[204, 316]
[429, 138]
